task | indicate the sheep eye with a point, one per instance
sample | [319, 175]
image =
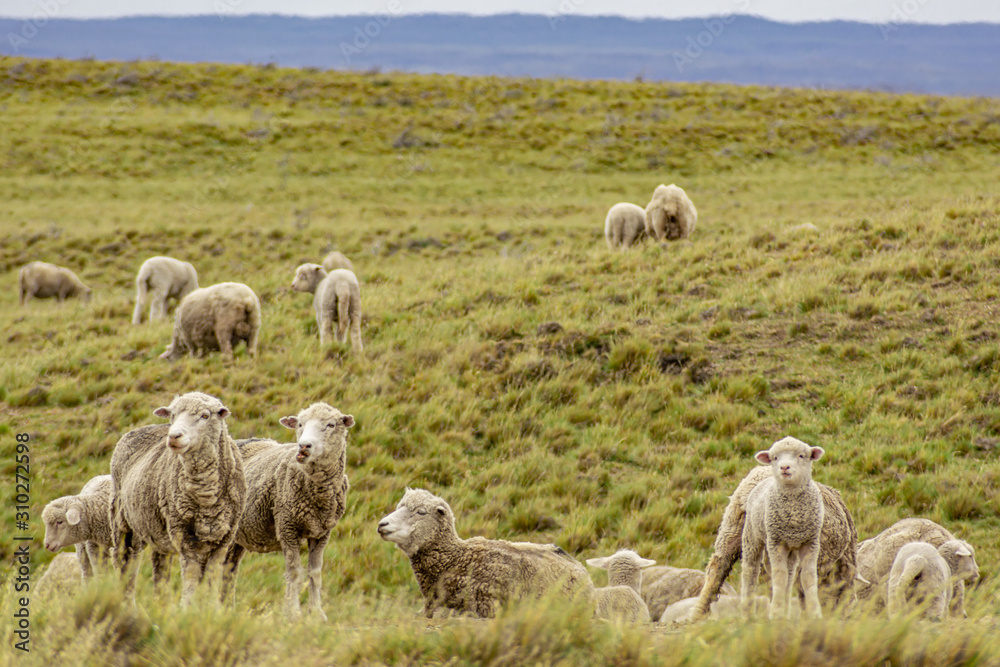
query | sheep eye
[59, 522]
[204, 415]
[331, 426]
[421, 512]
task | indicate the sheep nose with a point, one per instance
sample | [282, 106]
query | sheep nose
[382, 524]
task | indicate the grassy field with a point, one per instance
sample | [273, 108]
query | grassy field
[473, 210]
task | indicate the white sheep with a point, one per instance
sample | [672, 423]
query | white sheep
[665, 585]
[81, 520]
[475, 575]
[295, 492]
[785, 516]
[726, 606]
[41, 280]
[337, 299]
[61, 578]
[920, 576]
[621, 599]
[180, 490]
[337, 260]
[159, 279]
[216, 318]
[670, 215]
[624, 225]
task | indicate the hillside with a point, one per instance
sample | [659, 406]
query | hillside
[473, 210]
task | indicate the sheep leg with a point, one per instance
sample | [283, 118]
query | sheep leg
[158, 309]
[355, 313]
[230, 569]
[140, 303]
[777, 555]
[343, 317]
[161, 567]
[315, 573]
[224, 335]
[252, 342]
[84, 559]
[748, 580]
[810, 580]
[191, 575]
[958, 600]
[727, 551]
[293, 576]
[325, 324]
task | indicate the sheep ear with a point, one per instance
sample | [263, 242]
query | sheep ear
[162, 412]
[962, 551]
[441, 510]
[598, 562]
[223, 412]
[347, 420]
[291, 422]
[645, 562]
[816, 453]
[73, 514]
[763, 457]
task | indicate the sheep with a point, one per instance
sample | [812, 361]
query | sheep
[159, 279]
[836, 565]
[337, 299]
[877, 554]
[41, 280]
[62, 577]
[726, 606]
[624, 225]
[475, 575]
[665, 585]
[670, 215]
[784, 514]
[919, 575]
[336, 260]
[81, 520]
[180, 489]
[216, 318]
[295, 492]
[621, 599]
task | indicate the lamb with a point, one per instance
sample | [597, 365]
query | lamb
[670, 215]
[216, 318]
[41, 280]
[919, 575]
[621, 599]
[159, 279]
[624, 225]
[475, 575]
[836, 565]
[180, 489]
[877, 554]
[727, 606]
[785, 515]
[62, 577]
[336, 260]
[337, 299]
[81, 520]
[295, 492]
[665, 585]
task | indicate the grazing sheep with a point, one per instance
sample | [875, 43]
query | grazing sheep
[785, 517]
[295, 492]
[179, 490]
[621, 599]
[41, 280]
[919, 576]
[336, 260]
[877, 554]
[665, 585]
[624, 225]
[81, 520]
[337, 299]
[216, 318]
[159, 279]
[475, 575]
[62, 577]
[836, 566]
[670, 215]
[727, 606]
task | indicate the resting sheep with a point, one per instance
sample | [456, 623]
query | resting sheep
[81, 520]
[41, 280]
[665, 585]
[62, 577]
[216, 318]
[295, 492]
[337, 260]
[179, 489]
[670, 215]
[159, 279]
[621, 599]
[727, 606]
[624, 225]
[475, 575]
[337, 299]
[919, 576]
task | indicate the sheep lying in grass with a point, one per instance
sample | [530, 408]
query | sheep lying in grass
[727, 606]
[61, 578]
[295, 492]
[337, 299]
[624, 225]
[475, 575]
[664, 585]
[216, 318]
[159, 279]
[919, 576]
[81, 520]
[670, 215]
[180, 491]
[336, 260]
[41, 280]
[621, 599]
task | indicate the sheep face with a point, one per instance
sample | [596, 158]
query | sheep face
[62, 518]
[307, 277]
[316, 426]
[791, 460]
[420, 518]
[624, 567]
[194, 418]
[961, 559]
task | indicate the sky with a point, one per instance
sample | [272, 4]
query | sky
[870, 11]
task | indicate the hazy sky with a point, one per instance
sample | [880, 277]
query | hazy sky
[873, 11]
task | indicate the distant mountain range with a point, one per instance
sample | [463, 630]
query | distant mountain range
[960, 59]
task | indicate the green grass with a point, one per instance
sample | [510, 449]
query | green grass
[473, 211]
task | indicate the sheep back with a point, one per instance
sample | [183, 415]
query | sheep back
[663, 586]
[41, 280]
[159, 279]
[670, 215]
[216, 318]
[624, 225]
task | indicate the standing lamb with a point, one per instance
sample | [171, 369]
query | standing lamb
[81, 520]
[41, 280]
[670, 215]
[295, 492]
[621, 599]
[337, 299]
[159, 279]
[216, 318]
[337, 260]
[624, 225]
[475, 575]
[919, 576]
[664, 585]
[182, 492]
